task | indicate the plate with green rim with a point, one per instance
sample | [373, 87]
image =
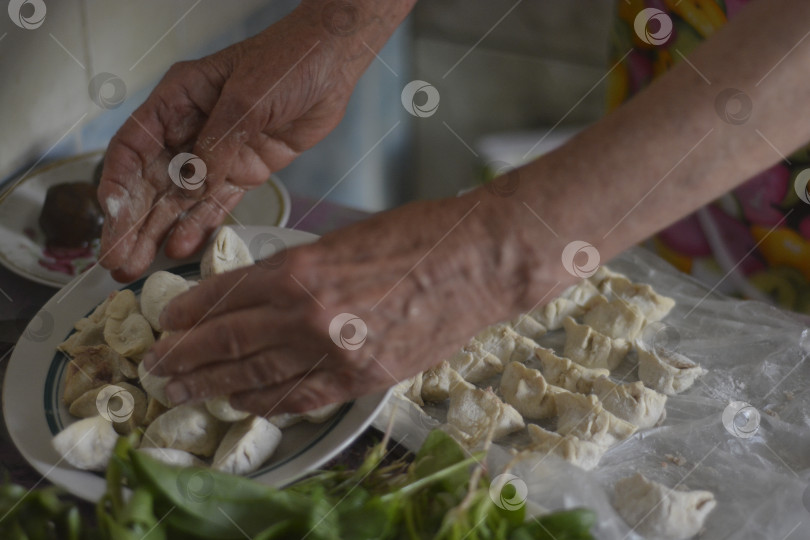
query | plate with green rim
[32, 391]
[22, 242]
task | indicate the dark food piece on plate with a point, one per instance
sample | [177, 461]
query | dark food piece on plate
[71, 216]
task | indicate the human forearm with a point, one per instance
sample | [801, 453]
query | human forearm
[668, 151]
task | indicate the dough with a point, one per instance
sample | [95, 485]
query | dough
[186, 427]
[221, 408]
[552, 314]
[227, 252]
[656, 511]
[669, 372]
[527, 326]
[436, 382]
[87, 444]
[567, 374]
[616, 319]
[525, 390]
[172, 456]
[642, 297]
[479, 413]
[411, 389]
[130, 337]
[582, 294]
[158, 290]
[592, 349]
[247, 444]
[584, 417]
[91, 367]
[506, 344]
[583, 454]
[631, 401]
[474, 363]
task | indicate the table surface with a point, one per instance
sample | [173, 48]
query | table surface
[26, 297]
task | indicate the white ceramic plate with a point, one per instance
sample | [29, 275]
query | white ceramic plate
[32, 392]
[22, 242]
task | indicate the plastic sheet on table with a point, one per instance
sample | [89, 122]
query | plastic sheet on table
[756, 461]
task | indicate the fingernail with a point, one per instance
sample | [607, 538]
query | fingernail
[177, 393]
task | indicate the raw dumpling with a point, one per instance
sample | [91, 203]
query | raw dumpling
[155, 385]
[89, 330]
[124, 405]
[121, 305]
[227, 252]
[527, 391]
[615, 319]
[584, 417]
[172, 456]
[87, 444]
[479, 413]
[528, 326]
[474, 363]
[567, 374]
[222, 409]
[187, 427]
[587, 347]
[92, 367]
[506, 344]
[583, 454]
[411, 389]
[130, 337]
[582, 294]
[247, 444]
[321, 414]
[158, 290]
[436, 382]
[656, 511]
[670, 372]
[285, 420]
[631, 401]
[603, 277]
[642, 297]
[552, 314]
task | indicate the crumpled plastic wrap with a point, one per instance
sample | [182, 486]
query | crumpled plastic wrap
[759, 473]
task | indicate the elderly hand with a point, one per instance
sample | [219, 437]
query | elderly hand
[245, 111]
[262, 333]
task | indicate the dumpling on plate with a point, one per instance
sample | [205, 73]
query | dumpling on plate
[633, 402]
[246, 445]
[667, 371]
[592, 349]
[657, 511]
[158, 290]
[585, 417]
[91, 367]
[582, 294]
[642, 297]
[528, 326]
[506, 344]
[188, 427]
[567, 374]
[87, 444]
[474, 363]
[436, 382]
[552, 314]
[583, 454]
[525, 389]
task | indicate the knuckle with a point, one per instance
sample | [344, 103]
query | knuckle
[226, 340]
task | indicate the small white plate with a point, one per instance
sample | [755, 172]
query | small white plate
[22, 242]
[32, 392]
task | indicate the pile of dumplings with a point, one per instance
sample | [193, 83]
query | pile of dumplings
[565, 403]
[108, 388]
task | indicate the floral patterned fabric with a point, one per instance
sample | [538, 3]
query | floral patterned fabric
[753, 242]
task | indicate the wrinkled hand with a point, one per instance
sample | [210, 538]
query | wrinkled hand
[245, 111]
[262, 333]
